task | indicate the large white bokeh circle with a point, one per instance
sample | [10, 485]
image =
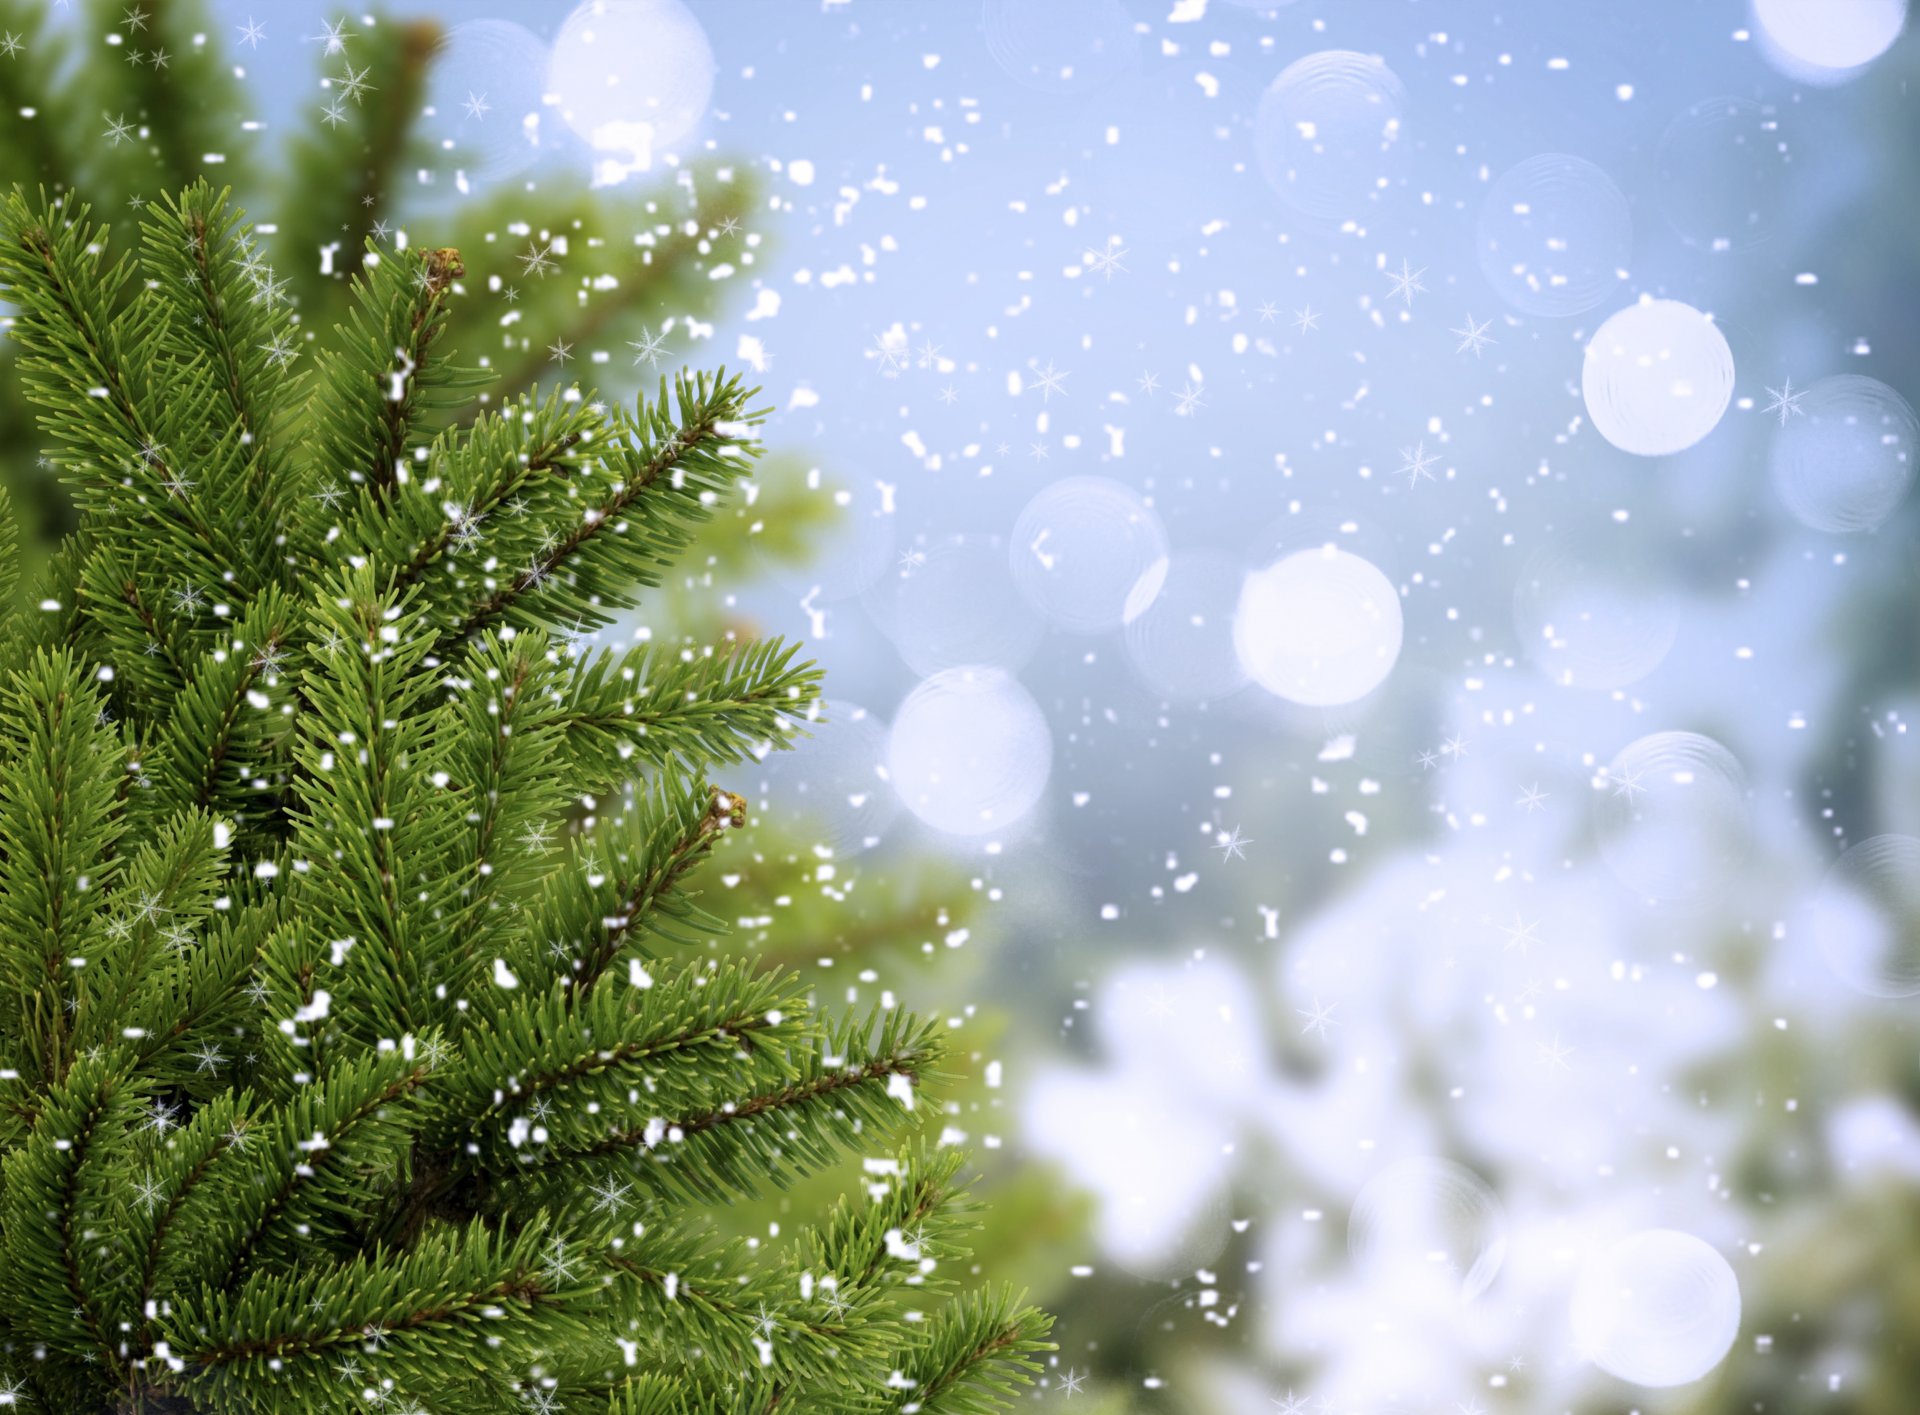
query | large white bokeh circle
[1660, 1308]
[1600, 622]
[1726, 167]
[1672, 820]
[1428, 1224]
[1328, 133]
[1319, 627]
[484, 97]
[969, 752]
[1866, 916]
[1179, 626]
[1555, 235]
[1835, 36]
[1845, 457]
[837, 779]
[1657, 378]
[1061, 46]
[631, 76]
[1080, 547]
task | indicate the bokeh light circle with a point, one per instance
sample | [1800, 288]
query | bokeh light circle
[955, 603]
[1657, 378]
[1660, 1308]
[1672, 817]
[1724, 168]
[1078, 549]
[1555, 235]
[1593, 622]
[1844, 459]
[970, 751]
[1865, 916]
[1319, 627]
[1829, 40]
[1428, 1222]
[1329, 133]
[484, 97]
[835, 778]
[1179, 626]
[632, 77]
[1062, 46]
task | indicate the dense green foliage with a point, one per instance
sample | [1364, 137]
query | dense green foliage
[353, 1047]
[160, 107]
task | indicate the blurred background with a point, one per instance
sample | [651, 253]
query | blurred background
[1364, 555]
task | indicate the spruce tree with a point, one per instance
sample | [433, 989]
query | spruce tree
[353, 1054]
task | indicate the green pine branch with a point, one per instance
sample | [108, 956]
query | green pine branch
[108, 601]
[60, 829]
[67, 330]
[297, 1183]
[684, 1042]
[157, 108]
[9, 547]
[167, 893]
[764, 1135]
[55, 1216]
[222, 742]
[513, 464]
[224, 322]
[695, 709]
[135, 418]
[375, 1317]
[659, 471]
[332, 1043]
[626, 883]
[390, 389]
[504, 757]
[970, 1356]
[185, 1025]
[373, 816]
[671, 1297]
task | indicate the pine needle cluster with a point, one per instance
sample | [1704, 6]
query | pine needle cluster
[121, 100]
[354, 1052]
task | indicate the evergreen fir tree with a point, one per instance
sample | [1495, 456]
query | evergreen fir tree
[636, 269]
[354, 1053]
